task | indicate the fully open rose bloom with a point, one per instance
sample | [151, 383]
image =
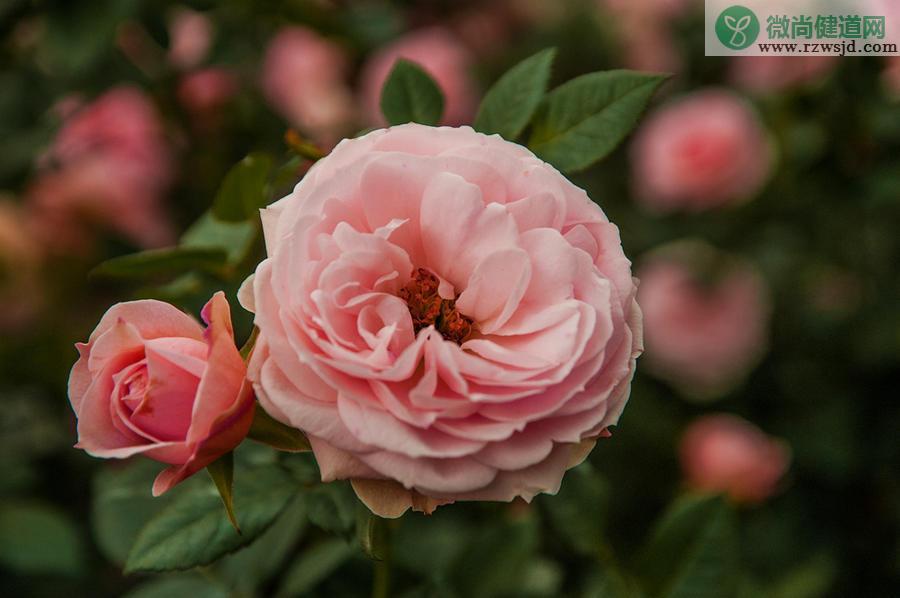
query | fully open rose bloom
[703, 151]
[152, 381]
[702, 335]
[724, 453]
[446, 317]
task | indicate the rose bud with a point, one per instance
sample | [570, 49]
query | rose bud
[190, 38]
[445, 316]
[152, 381]
[724, 453]
[440, 54]
[701, 152]
[707, 317]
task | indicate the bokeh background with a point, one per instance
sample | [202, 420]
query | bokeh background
[759, 200]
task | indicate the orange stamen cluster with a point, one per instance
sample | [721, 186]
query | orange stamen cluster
[428, 308]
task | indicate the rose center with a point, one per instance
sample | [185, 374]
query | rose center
[428, 308]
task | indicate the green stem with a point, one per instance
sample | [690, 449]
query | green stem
[381, 584]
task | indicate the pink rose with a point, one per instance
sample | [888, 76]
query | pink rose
[724, 453]
[190, 37]
[703, 151]
[152, 381]
[645, 31]
[304, 79]
[446, 317]
[106, 192]
[122, 124]
[771, 74]
[109, 164]
[205, 91]
[702, 335]
[439, 54]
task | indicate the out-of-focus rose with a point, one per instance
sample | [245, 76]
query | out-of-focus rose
[152, 381]
[645, 31]
[20, 293]
[772, 74]
[109, 164]
[724, 453]
[701, 152]
[439, 54]
[305, 80]
[445, 316]
[190, 37]
[205, 91]
[98, 191]
[707, 317]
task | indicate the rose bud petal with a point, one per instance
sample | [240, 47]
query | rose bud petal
[724, 453]
[152, 381]
[703, 151]
[444, 314]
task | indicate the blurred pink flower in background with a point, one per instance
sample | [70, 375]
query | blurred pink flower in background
[205, 91]
[772, 74]
[20, 256]
[190, 38]
[645, 31]
[109, 163]
[702, 151]
[442, 56]
[724, 453]
[305, 80]
[706, 317]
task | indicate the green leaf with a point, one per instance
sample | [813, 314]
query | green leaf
[493, 563]
[122, 505]
[192, 531]
[314, 566]
[244, 189]
[411, 95]
[810, 579]
[36, 539]
[583, 120]
[245, 570]
[235, 238]
[510, 103]
[268, 430]
[179, 585]
[162, 262]
[222, 473]
[332, 507]
[578, 510]
[693, 551]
